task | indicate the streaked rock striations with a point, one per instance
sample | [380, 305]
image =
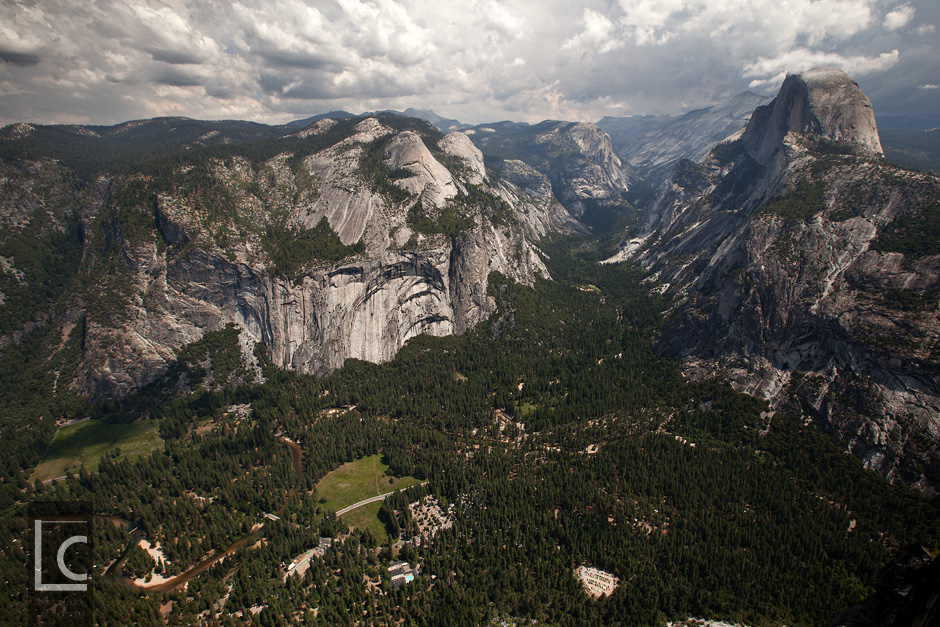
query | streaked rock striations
[781, 248]
[824, 102]
[199, 269]
[577, 158]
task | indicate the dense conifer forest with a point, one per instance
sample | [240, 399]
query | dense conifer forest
[552, 432]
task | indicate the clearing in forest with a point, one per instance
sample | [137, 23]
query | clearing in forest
[359, 480]
[84, 443]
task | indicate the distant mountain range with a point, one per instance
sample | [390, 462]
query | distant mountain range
[653, 144]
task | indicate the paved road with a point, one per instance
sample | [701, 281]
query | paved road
[371, 499]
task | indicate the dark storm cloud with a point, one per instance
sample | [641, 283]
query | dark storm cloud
[19, 58]
[298, 60]
[176, 57]
[480, 60]
[176, 78]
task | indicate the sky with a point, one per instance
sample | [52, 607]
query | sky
[271, 61]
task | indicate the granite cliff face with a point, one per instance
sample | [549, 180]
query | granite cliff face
[577, 158]
[794, 256]
[349, 239]
[822, 102]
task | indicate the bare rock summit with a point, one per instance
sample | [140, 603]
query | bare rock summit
[823, 101]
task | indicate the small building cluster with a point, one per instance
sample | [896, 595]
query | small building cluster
[302, 562]
[402, 573]
[597, 582]
[325, 545]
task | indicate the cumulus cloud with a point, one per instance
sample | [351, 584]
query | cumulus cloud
[802, 58]
[597, 33]
[274, 60]
[657, 22]
[22, 42]
[899, 17]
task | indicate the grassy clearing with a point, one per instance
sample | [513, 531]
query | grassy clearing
[358, 480]
[84, 443]
[525, 409]
[367, 517]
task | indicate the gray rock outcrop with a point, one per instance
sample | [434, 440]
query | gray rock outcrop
[431, 181]
[200, 270]
[577, 158]
[777, 250]
[824, 102]
[459, 145]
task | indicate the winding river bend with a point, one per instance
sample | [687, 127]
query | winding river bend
[297, 458]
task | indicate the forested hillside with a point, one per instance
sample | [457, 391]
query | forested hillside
[919, 149]
[553, 430]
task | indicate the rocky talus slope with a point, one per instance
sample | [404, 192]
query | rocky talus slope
[807, 269]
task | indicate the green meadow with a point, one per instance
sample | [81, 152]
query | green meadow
[84, 443]
[358, 480]
[367, 517]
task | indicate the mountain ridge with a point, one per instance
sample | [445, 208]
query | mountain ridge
[241, 311]
[654, 144]
[242, 232]
[778, 247]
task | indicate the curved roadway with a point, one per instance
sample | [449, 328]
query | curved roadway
[371, 499]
